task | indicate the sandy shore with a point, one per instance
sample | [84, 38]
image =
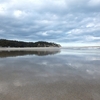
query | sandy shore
[62, 77]
[30, 49]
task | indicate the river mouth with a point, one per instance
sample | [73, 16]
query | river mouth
[45, 75]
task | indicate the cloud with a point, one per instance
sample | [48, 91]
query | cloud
[94, 3]
[61, 21]
[17, 13]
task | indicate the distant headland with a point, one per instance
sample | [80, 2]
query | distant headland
[14, 43]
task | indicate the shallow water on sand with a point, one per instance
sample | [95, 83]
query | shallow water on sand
[46, 75]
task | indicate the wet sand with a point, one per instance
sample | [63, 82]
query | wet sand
[29, 49]
[78, 89]
[55, 77]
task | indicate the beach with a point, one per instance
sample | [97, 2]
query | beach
[40, 75]
[28, 48]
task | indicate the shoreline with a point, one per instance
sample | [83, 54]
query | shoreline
[45, 48]
[29, 48]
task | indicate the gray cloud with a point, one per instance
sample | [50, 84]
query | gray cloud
[62, 21]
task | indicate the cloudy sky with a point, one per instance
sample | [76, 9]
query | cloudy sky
[68, 22]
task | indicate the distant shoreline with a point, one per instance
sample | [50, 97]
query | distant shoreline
[45, 48]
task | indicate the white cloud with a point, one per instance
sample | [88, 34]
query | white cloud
[90, 25]
[2, 9]
[94, 3]
[75, 31]
[44, 34]
[19, 13]
[92, 38]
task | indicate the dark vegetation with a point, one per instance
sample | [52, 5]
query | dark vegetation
[13, 43]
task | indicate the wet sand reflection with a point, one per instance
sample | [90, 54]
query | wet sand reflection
[55, 77]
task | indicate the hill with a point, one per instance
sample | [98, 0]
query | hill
[13, 43]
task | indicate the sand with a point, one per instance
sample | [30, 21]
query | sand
[61, 77]
[61, 90]
[29, 49]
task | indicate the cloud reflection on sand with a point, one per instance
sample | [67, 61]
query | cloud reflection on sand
[46, 77]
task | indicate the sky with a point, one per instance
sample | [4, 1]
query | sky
[67, 22]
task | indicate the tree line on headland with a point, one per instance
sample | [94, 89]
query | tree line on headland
[13, 43]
